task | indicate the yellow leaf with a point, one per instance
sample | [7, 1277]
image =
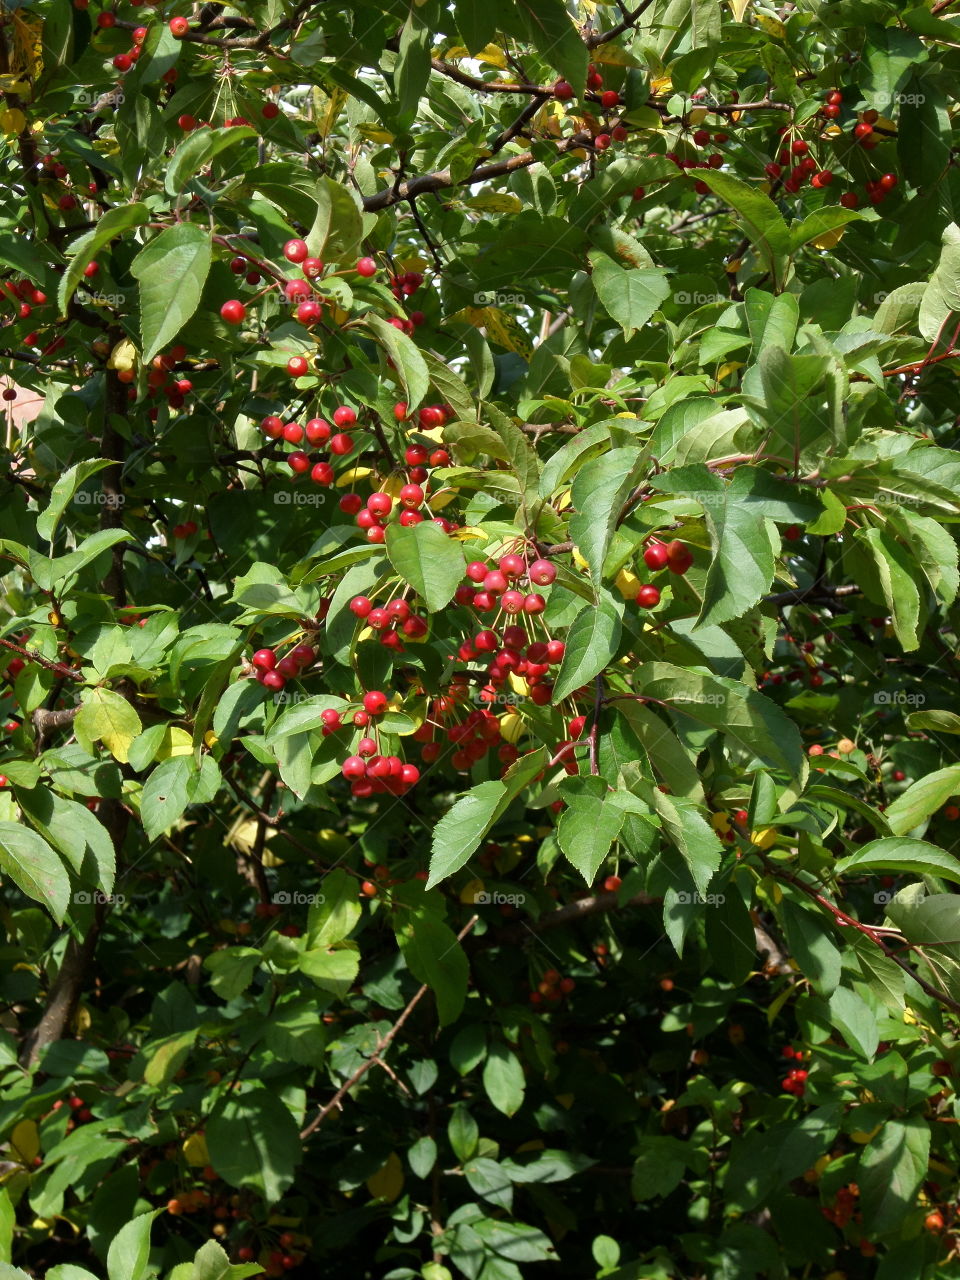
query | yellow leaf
[335, 104]
[662, 84]
[578, 559]
[469, 534]
[764, 837]
[511, 727]
[270, 859]
[613, 55]
[698, 115]
[738, 8]
[81, 1020]
[393, 484]
[353, 476]
[495, 203]
[26, 58]
[519, 686]
[628, 584]
[726, 369]
[175, 742]
[195, 1151]
[862, 1136]
[412, 263]
[210, 739]
[720, 821]
[374, 133]
[829, 239]
[468, 894]
[123, 356]
[13, 122]
[387, 1183]
[493, 56]
[25, 1142]
[771, 26]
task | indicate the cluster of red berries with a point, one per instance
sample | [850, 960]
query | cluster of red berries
[273, 673]
[406, 285]
[795, 1081]
[80, 1112]
[551, 988]
[278, 1260]
[161, 378]
[844, 1209]
[316, 432]
[675, 556]
[185, 530]
[392, 621]
[701, 138]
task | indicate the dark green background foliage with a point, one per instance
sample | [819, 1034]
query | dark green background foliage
[670, 993]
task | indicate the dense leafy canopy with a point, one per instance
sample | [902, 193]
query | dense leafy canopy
[479, 776]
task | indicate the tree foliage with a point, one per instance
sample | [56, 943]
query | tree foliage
[479, 787]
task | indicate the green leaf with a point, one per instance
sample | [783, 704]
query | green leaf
[435, 958]
[503, 1080]
[686, 828]
[174, 784]
[855, 1021]
[413, 64]
[211, 1263]
[428, 560]
[113, 223]
[410, 365]
[198, 150]
[812, 947]
[73, 830]
[459, 832]
[756, 724]
[172, 270]
[109, 718]
[889, 56]
[591, 643]
[548, 25]
[422, 1156]
[660, 1164]
[34, 867]
[897, 572]
[936, 721]
[589, 824]
[333, 919]
[333, 969]
[232, 969]
[49, 574]
[128, 1257]
[891, 1171]
[629, 296]
[599, 491]
[820, 222]
[520, 452]
[63, 491]
[923, 798]
[462, 1132]
[254, 1142]
[164, 1059]
[758, 215]
[915, 857]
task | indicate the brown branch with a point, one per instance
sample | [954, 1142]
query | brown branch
[376, 1060]
[602, 37]
[31, 655]
[817, 590]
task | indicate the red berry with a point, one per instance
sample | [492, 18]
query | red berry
[361, 606]
[353, 767]
[341, 444]
[610, 98]
[293, 433]
[679, 557]
[269, 111]
[272, 426]
[381, 504]
[233, 312]
[563, 90]
[322, 473]
[298, 462]
[701, 137]
[799, 147]
[107, 19]
[179, 27]
[830, 111]
[344, 416]
[295, 250]
[317, 431]
[123, 62]
[542, 573]
[834, 97]
[297, 366]
[264, 659]
[351, 503]
[850, 200]
[411, 496]
[366, 267]
[655, 556]
[862, 130]
[888, 181]
[375, 702]
[439, 458]
[648, 596]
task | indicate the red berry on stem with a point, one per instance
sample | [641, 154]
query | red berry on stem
[233, 312]
[295, 250]
[179, 27]
[366, 267]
